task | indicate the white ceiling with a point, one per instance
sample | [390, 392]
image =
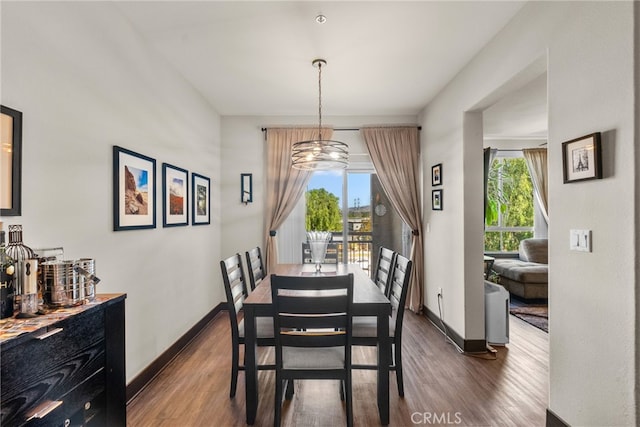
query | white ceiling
[254, 58]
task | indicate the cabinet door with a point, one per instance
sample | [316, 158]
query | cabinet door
[116, 393]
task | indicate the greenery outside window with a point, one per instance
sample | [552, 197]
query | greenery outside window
[509, 217]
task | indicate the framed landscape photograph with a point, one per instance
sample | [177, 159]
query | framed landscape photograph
[436, 200]
[581, 158]
[134, 190]
[201, 203]
[10, 162]
[175, 191]
[436, 174]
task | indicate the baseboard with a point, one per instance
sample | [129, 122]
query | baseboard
[149, 373]
[468, 346]
[555, 421]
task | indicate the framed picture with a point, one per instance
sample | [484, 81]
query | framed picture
[134, 190]
[201, 204]
[10, 162]
[246, 188]
[436, 174]
[581, 158]
[175, 190]
[436, 200]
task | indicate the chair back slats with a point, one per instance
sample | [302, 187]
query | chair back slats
[309, 339]
[331, 256]
[235, 284]
[313, 304]
[399, 285]
[312, 311]
[255, 266]
[312, 322]
[386, 258]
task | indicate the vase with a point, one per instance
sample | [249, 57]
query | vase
[318, 241]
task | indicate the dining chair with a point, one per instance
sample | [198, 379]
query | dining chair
[312, 322]
[255, 267]
[330, 257]
[235, 286]
[382, 276]
[365, 328]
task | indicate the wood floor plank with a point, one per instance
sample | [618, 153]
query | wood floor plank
[442, 386]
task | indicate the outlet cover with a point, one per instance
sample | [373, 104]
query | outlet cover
[580, 240]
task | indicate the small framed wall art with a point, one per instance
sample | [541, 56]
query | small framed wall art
[246, 188]
[436, 200]
[201, 203]
[10, 162]
[175, 191]
[436, 175]
[582, 159]
[134, 190]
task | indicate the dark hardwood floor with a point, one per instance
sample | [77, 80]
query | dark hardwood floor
[442, 386]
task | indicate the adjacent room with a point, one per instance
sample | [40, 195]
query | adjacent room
[310, 213]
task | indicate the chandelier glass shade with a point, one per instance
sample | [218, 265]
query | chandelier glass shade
[319, 154]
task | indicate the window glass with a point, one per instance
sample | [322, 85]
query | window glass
[324, 202]
[509, 214]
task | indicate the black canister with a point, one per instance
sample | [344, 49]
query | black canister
[7, 273]
[6, 301]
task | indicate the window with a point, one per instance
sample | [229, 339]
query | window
[510, 211]
[348, 218]
[367, 222]
[323, 202]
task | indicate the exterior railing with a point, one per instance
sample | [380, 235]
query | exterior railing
[359, 249]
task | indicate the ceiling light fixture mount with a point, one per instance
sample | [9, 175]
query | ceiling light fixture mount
[319, 154]
[321, 19]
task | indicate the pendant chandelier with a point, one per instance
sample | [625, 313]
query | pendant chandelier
[319, 154]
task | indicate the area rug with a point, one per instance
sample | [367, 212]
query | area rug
[534, 314]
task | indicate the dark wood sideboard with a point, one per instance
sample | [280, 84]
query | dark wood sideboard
[65, 368]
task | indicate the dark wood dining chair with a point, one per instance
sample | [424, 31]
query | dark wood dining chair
[235, 286]
[312, 321]
[365, 328]
[382, 276]
[255, 266]
[331, 256]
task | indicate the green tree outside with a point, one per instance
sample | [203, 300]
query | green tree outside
[323, 211]
[510, 196]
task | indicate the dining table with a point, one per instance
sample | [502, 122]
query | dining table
[367, 301]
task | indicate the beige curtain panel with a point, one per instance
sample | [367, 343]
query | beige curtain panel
[285, 185]
[395, 153]
[537, 161]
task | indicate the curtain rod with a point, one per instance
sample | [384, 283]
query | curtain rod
[353, 129]
[511, 149]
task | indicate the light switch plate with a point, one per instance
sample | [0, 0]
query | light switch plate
[580, 240]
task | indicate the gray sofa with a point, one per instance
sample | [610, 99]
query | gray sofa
[527, 275]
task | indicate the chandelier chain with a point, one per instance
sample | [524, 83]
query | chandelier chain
[320, 101]
[319, 154]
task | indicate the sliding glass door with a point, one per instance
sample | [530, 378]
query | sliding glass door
[352, 205]
[367, 219]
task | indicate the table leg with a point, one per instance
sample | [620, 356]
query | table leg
[384, 353]
[251, 365]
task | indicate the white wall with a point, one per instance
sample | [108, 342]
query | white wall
[593, 296]
[243, 152]
[590, 51]
[85, 82]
